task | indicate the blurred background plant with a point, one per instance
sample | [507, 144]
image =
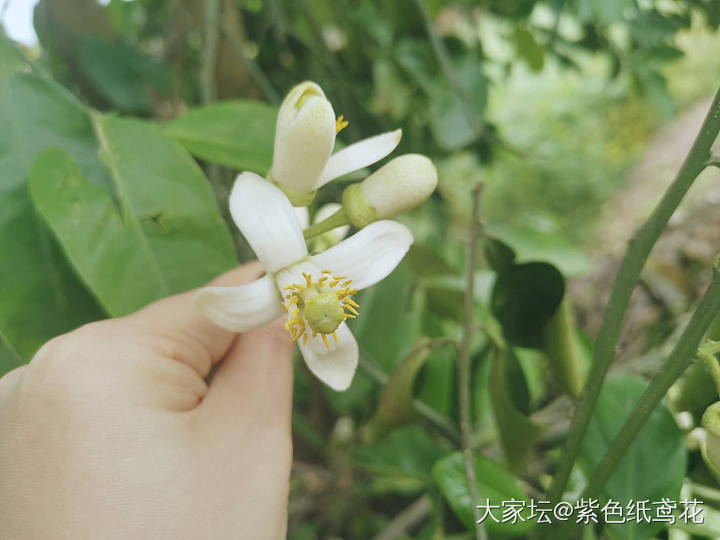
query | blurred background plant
[566, 110]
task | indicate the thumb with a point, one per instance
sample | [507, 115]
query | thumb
[252, 387]
[176, 329]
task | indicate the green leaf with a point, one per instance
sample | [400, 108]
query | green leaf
[533, 245]
[518, 433]
[493, 483]
[524, 298]
[164, 236]
[41, 297]
[405, 456]
[654, 465]
[128, 79]
[396, 401]
[9, 359]
[499, 255]
[238, 134]
[529, 49]
[427, 262]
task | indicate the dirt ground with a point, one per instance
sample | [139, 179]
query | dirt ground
[679, 266]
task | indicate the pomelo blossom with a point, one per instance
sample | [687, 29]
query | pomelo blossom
[304, 140]
[315, 290]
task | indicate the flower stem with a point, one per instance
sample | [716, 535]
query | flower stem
[463, 358]
[338, 219]
[636, 254]
[680, 358]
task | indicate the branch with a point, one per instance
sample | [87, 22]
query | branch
[208, 90]
[463, 358]
[637, 253]
[407, 519]
[679, 360]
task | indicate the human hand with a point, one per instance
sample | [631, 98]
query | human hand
[112, 432]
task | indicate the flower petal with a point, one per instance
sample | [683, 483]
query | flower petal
[267, 220]
[241, 308]
[368, 255]
[303, 216]
[335, 366]
[359, 155]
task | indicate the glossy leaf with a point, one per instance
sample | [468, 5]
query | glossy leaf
[493, 483]
[238, 134]
[654, 465]
[164, 236]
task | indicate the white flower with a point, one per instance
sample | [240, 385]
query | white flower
[315, 290]
[304, 139]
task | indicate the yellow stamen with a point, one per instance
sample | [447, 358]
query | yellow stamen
[326, 271]
[325, 341]
[351, 309]
[337, 340]
[305, 338]
[352, 302]
[340, 124]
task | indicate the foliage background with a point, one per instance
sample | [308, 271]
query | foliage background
[122, 132]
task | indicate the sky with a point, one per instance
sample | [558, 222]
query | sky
[17, 19]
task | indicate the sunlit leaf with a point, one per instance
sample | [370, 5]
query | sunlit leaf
[238, 134]
[41, 297]
[164, 236]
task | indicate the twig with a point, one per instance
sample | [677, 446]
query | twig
[679, 360]
[406, 520]
[463, 359]
[637, 252]
[429, 414]
[208, 90]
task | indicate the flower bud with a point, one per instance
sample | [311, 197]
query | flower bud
[402, 184]
[711, 450]
[304, 140]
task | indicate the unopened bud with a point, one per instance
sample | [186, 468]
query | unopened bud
[711, 423]
[400, 185]
[304, 140]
